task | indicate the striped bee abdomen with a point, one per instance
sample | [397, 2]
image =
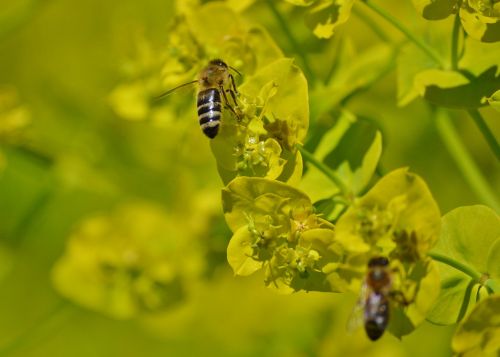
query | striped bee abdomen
[209, 111]
[376, 315]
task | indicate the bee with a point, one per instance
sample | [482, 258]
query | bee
[374, 300]
[214, 81]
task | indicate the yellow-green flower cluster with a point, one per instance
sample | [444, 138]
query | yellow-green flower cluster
[399, 219]
[130, 262]
[275, 228]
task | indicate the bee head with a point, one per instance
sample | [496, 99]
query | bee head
[378, 262]
[218, 62]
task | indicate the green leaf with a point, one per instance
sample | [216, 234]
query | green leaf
[240, 253]
[481, 20]
[263, 49]
[457, 90]
[242, 198]
[469, 235]
[356, 74]
[355, 166]
[327, 15]
[492, 265]
[479, 333]
[494, 100]
[436, 9]
[411, 60]
[479, 56]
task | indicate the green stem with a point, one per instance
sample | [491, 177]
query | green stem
[371, 24]
[488, 135]
[477, 277]
[456, 264]
[325, 170]
[393, 21]
[462, 158]
[291, 38]
[454, 42]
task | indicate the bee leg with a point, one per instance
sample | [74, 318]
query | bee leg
[233, 84]
[232, 96]
[234, 91]
[400, 298]
[226, 102]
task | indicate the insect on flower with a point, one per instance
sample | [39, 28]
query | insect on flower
[214, 82]
[372, 308]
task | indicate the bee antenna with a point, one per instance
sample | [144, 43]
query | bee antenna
[173, 89]
[234, 69]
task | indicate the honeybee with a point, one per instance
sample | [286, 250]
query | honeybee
[214, 82]
[374, 300]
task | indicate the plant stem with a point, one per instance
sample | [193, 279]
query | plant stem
[491, 284]
[454, 42]
[456, 264]
[462, 158]
[293, 42]
[371, 24]
[325, 170]
[488, 135]
[419, 43]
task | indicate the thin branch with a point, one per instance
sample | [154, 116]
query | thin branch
[454, 42]
[485, 130]
[462, 158]
[419, 43]
[325, 170]
[291, 38]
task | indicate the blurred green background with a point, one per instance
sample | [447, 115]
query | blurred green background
[71, 170]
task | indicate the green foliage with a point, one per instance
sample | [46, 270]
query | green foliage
[358, 165]
[470, 235]
[480, 19]
[455, 90]
[411, 62]
[436, 9]
[473, 76]
[494, 100]
[306, 201]
[353, 75]
[325, 16]
[478, 334]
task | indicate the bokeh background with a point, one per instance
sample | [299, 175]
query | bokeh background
[79, 184]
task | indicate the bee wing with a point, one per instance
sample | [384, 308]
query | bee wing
[356, 318]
